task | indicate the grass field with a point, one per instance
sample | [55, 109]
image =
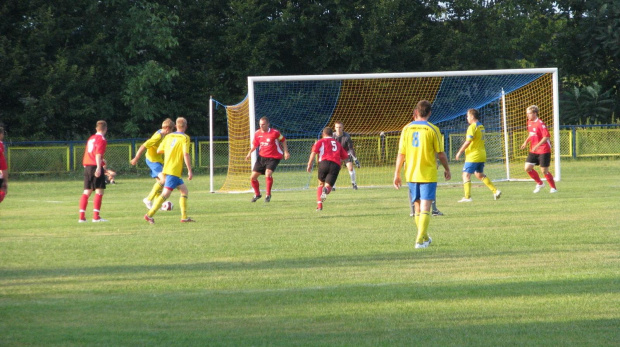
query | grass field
[528, 270]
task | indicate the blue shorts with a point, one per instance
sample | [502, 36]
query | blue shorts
[422, 191]
[473, 167]
[173, 182]
[156, 168]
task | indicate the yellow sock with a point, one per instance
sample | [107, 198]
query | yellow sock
[417, 220]
[155, 191]
[489, 184]
[156, 205]
[425, 218]
[183, 204]
[467, 188]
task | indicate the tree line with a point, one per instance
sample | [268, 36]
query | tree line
[67, 63]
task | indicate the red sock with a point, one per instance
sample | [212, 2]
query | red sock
[83, 204]
[550, 180]
[533, 174]
[329, 189]
[256, 187]
[319, 191]
[97, 205]
[269, 183]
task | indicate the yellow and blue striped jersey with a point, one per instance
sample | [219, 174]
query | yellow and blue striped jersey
[174, 146]
[151, 146]
[475, 152]
[420, 141]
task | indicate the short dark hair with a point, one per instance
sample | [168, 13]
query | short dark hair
[424, 108]
[474, 113]
[328, 131]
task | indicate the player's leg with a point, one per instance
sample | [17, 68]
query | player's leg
[89, 186]
[468, 169]
[411, 204]
[545, 161]
[97, 201]
[487, 182]
[319, 195]
[427, 195]
[255, 185]
[84, 204]
[530, 162]
[268, 181]
[352, 174]
[183, 203]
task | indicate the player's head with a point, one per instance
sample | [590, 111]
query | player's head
[473, 115]
[422, 109]
[181, 124]
[102, 127]
[532, 112]
[264, 124]
[339, 127]
[167, 126]
[328, 132]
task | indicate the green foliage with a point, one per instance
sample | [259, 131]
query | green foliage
[587, 105]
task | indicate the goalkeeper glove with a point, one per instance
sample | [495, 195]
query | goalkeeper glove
[356, 161]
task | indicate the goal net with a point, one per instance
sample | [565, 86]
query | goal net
[375, 107]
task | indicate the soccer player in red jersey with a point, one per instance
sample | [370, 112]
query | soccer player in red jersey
[4, 168]
[540, 149]
[272, 148]
[330, 153]
[94, 177]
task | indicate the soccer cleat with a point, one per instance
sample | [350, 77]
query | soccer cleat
[437, 213]
[324, 194]
[421, 245]
[149, 219]
[148, 203]
[538, 187]
[187, 220]
[466, 200]
[81, 220]
[256, 197]
[333, 189]
[268, 198]
[497, 194]
[100, 220]
[354, 186]
[319, 208]
[553, 190]
[428, 242]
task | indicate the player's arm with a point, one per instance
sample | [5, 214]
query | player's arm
[285, 147]
[310, 161]
[99, 161]
[525, 143]
[443, 159]
[400, 160]
[188, 164]
[462, 149]
[543, 140]
[139, 153]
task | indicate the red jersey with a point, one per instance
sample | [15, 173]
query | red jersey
[268, 143]
[537, 130]
[330, 149]
[3, 165]
[96, 144]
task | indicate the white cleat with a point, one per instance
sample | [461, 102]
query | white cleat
[497, 194]
[466, 200]
[100, 220]
[538, 187]
[148, 203]
[553, 190]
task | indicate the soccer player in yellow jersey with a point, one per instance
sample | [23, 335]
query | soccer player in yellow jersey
[419, 147]
[475, 156]
[175, 148]
[154, 160]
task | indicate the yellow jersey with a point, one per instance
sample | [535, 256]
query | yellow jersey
[174, 146]
[475, 152]
[151, 146]
[420, 141]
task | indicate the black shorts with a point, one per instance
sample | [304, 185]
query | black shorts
[263, 164]
[92, 182]
[544, 160]
[328, 172]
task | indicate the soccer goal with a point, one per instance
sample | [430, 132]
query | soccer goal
[375, 107]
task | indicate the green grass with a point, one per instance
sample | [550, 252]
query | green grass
[529, 269]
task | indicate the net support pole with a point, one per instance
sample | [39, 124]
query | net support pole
[556, 125]
[211, 171]
[252, 115]
[506, 149]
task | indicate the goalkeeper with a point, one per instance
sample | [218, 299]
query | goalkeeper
[346, 142]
